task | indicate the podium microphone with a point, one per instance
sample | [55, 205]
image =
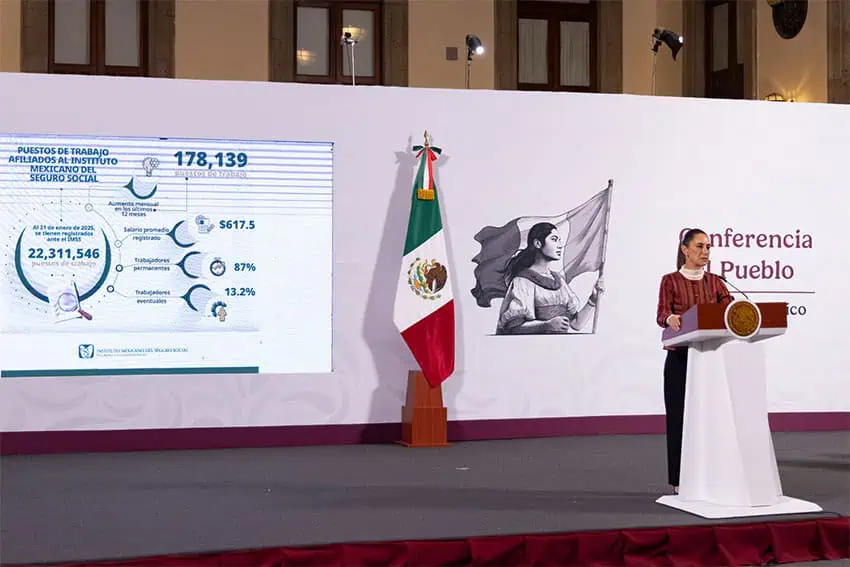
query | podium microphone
[733, 285]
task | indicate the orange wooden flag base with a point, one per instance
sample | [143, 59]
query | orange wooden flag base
[423, 416]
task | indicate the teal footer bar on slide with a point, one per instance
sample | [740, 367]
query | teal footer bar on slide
[127, 371]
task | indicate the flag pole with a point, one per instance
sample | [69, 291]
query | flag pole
[604, 247]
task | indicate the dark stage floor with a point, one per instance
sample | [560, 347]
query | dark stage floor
[101, 506]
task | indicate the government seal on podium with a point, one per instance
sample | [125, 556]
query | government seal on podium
[742, 318]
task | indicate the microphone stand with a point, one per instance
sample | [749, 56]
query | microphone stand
[733, 286]
[350, 42]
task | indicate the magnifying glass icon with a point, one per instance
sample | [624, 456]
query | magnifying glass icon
[69, 303]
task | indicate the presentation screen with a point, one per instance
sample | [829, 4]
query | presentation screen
[164, 256]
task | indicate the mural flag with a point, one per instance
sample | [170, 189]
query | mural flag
[584, 250]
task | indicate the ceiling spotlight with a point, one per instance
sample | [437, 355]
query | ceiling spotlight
[669, 38]
[473, 46]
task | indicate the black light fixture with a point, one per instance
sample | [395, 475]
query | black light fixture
[473, 47]
[669, 38]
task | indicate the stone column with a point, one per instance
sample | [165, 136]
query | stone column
[281, 41]
[505, 44]
[161, 36]
[35, 20]
[693, 52]
[838, 51]
[609, 55]
[394, 53]
[747, 11]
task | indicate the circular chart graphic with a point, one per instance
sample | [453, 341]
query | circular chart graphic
[69, 257]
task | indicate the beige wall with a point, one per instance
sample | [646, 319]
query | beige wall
[228, 39]
[10, 36]
[222, 39]
[640, 17]
[793, 67]
[437, 24]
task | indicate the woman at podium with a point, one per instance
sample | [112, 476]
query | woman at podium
[689, 285]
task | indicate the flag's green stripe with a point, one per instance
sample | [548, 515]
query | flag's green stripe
[425, 219]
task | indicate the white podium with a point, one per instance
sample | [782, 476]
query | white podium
[728, 465]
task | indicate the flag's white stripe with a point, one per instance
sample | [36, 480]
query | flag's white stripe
[410, 308]
[426, 178]
[524, 224]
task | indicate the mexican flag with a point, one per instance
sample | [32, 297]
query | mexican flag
[424, 305]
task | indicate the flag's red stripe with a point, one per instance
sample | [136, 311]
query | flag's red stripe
[432, 342]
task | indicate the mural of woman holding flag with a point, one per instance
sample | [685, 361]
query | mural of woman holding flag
[531, 262]
[539, 300]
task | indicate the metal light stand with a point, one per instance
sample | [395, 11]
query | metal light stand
[655, 45]
[350, 42]
[468, 65]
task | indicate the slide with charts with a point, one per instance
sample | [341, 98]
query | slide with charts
[164, 255]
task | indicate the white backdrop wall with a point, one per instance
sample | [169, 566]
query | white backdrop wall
[742, 167]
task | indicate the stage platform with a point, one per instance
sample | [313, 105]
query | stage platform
[90, 507]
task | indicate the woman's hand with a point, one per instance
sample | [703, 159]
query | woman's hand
[598, 290]
[675, 322]
[558, 325]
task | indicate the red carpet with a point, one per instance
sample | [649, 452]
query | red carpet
[728, 544]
